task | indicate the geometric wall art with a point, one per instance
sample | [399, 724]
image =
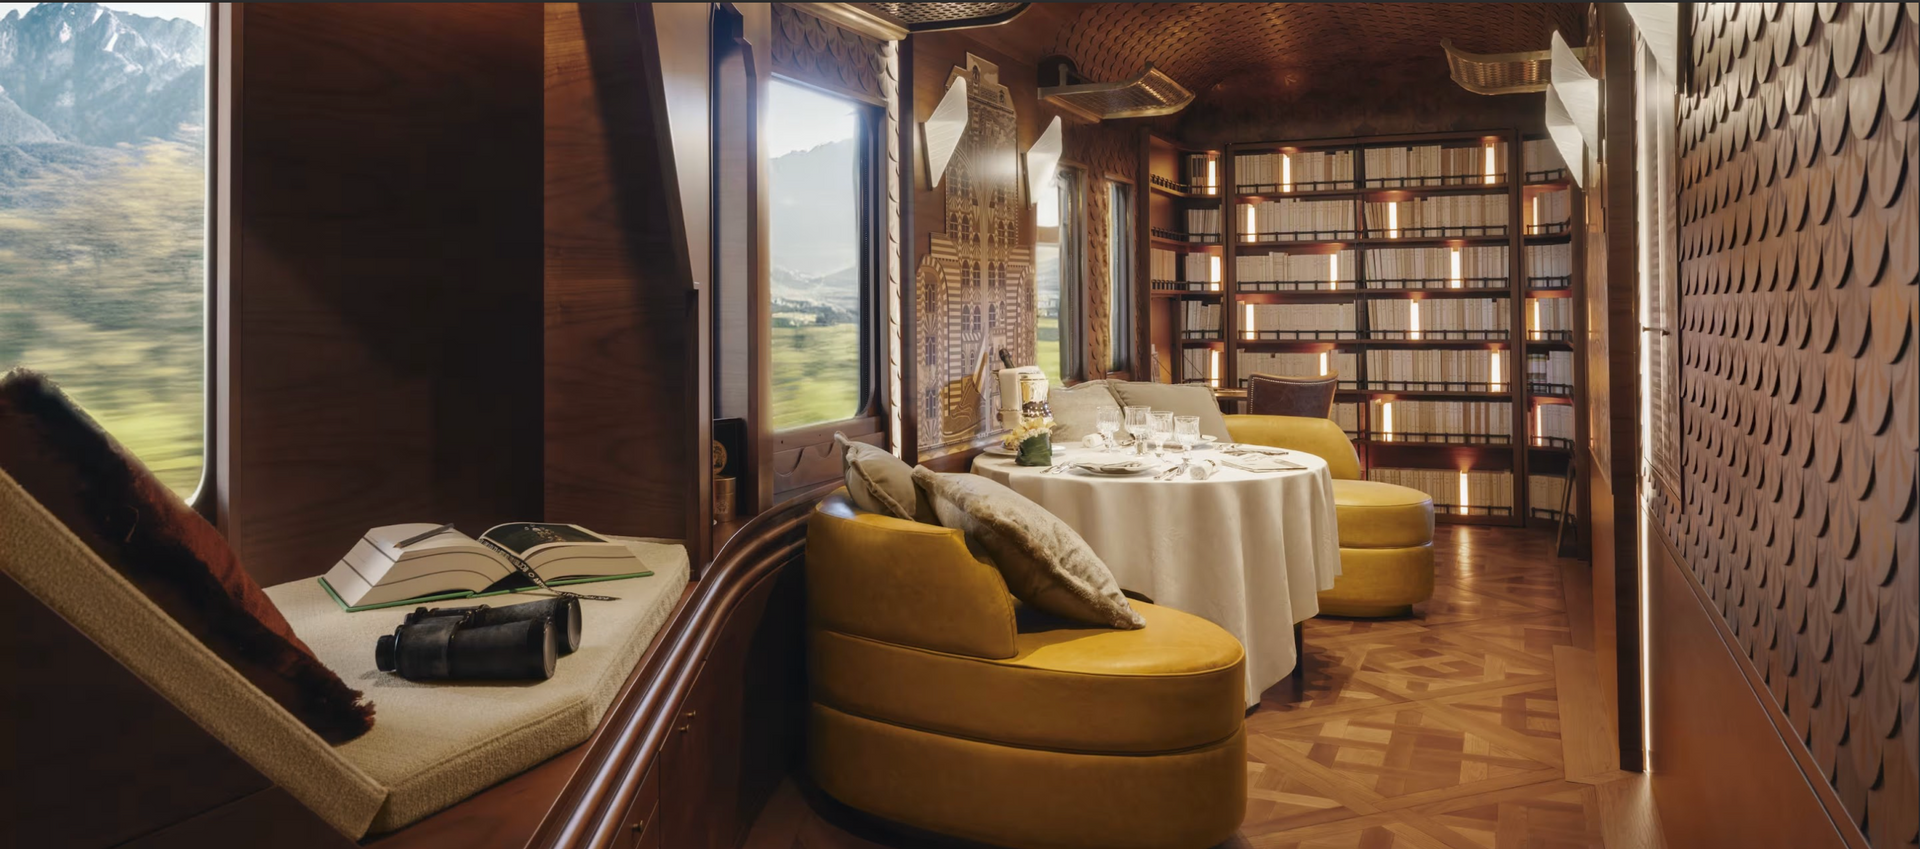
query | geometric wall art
[1799, 171]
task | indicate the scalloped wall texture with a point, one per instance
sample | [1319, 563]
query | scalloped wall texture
[1799, 255]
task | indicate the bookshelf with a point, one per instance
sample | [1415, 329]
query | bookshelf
[1435, 273]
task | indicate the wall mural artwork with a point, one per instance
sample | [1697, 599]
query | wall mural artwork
[1800, 330]
[974, 291]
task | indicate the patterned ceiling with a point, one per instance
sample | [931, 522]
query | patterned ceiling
[1205, 44]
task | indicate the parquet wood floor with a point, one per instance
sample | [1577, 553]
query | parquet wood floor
[1443, 730]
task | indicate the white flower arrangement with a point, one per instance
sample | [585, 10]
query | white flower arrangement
[1028, 429]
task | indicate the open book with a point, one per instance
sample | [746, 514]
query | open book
[405, 564]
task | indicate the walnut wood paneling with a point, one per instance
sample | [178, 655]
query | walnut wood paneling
[1799, 245]
[386, 294]
[621, 313]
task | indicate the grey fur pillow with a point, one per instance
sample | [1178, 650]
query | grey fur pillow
[879, 482]
[1045, 563]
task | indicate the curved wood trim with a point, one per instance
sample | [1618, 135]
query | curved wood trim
[589, 812]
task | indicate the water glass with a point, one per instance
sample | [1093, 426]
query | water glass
[1186, 431]
[1108, 423]
[1139, 424]
[1161, 429]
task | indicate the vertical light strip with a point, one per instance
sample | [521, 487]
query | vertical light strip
[1539, 424]
[1454, 281]
[1463, 493]
[1386, 421]
[1413, 320]
[1493, 369]
[1537, 329]
[1286, 173]
[1247, 330]
[1333, 271]
[1323, 364]
[1213, 272]
[1537, 228]
[1251, 233]
[1491, 176]
[1213, 367]
[1212, 186]
[1393, 220]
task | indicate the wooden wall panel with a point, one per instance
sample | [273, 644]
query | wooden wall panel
[386, 303]
[1799, 247]
[621, 313]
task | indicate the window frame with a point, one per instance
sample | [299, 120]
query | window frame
[1121, 318]
[870, 416]
[222, 99]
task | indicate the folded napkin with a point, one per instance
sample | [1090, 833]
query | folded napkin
[1260, 463]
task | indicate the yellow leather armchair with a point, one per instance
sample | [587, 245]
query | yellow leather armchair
[1386, 531]
[940, 703]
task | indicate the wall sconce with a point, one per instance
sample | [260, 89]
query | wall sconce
[1043, 159]
[941, 133]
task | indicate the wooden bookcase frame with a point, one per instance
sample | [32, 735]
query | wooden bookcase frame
[1162, 208]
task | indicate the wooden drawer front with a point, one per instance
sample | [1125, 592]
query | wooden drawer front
[641, 828]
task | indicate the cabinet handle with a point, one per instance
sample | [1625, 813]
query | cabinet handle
[640, 826]
[685, 728]
[692, 713]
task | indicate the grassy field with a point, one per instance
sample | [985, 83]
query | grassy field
[816, 374]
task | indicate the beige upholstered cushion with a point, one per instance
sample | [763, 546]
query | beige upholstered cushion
[439, 742]
[879, 482]
[434, 745]
[1184, 399]
[1076, 410]
[1045, 563]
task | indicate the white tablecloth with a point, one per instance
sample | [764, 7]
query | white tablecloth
[1247, 551]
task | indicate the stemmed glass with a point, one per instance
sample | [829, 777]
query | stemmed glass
[1161, 429]
[1139, 424]
[1186, 431]
[1108, 424]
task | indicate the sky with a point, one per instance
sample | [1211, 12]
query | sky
[195, 12]
[800, 118]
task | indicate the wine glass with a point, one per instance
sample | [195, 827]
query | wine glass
[1186, 431]
[1108, 422]
[1139, 424]
[1161, 429]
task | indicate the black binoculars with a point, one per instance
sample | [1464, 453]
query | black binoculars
[519, 641]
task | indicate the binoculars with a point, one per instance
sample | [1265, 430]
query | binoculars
[516, 642]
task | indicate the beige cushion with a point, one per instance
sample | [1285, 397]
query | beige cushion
[1076, 410]
[1045, 563]
[879, 482]
[1184, 399]
[436, 743]
[432, 744]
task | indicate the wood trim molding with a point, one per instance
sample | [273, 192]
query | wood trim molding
[853, 17]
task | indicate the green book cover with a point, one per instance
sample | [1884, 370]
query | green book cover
[467, 594]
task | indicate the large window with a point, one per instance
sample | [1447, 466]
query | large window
[1120, 277]
[103, 211]
[1057, 262]
[821, 154]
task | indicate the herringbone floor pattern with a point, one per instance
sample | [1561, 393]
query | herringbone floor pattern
[1438, 731]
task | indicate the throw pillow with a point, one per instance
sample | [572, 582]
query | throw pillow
[108, 499]
[879, 482]
[1045, 563]
[1076, 410]
[1184, 399]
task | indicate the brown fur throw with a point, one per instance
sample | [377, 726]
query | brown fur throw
[102, 493]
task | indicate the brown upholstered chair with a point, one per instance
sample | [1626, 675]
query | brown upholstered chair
[1278, 395]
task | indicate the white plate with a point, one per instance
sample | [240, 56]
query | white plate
[1116, 470]
[1205, 438]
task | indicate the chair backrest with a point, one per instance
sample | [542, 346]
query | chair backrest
[903, 582]
[1282, 395]
[1320, 437]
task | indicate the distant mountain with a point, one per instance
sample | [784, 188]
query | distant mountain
[812, 229]
[100, 77]
[18, 127]
[834, 297]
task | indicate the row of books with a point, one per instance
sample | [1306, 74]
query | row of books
[1442, 421]
[1346, 414]
[1295, 318]
[1550, 262]
[1265, 172]
[1549, 317]
[1551, 369]
[1202, 365]
[1436, 165]
[1295, 268]
[1541, 155]
[1454, 489]
[1344, 364]
[1553, 422]
[1180, 265]
[1548, 210]
[1200, 179]
[1296, 220]
[1438, 314]
[1438, 268]
[1443, 371]
[1470, 215]
[1544, 493]
[1199, 316]
[1203, 225]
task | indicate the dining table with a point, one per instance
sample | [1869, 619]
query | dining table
[1248, 550]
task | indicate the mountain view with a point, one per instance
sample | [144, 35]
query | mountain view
[815, 240]
[102, 219]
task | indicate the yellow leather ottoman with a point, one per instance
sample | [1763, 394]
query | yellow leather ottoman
[939, 705]
[1386, 531]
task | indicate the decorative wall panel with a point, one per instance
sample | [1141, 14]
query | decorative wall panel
[820, 52]
[1799, 248]
[973, 291]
